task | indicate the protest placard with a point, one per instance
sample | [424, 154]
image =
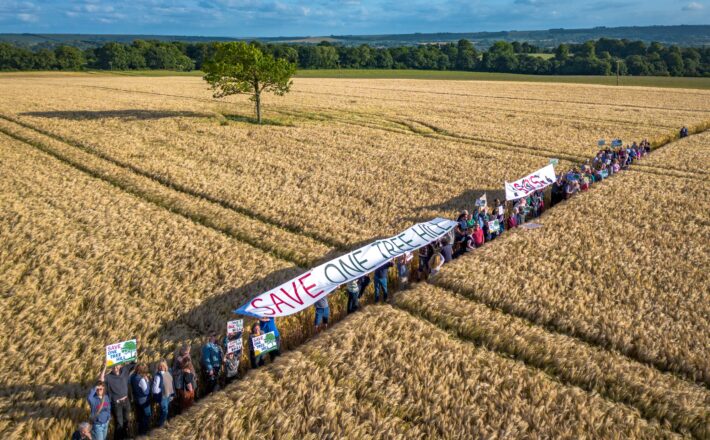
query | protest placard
[234, 336]
[234, 327]
[264, 343]
[121, 353]
[482, 201]
[494, 226]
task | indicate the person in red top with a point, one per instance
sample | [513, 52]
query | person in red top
[478, 238]
[513, 219]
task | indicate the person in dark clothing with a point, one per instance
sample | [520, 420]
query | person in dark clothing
[425, 253]
[381, 281]
[185, 385]
[353, 290]
[684, 132]
[256, 361]
[116, 383]
[83, 432]
[211, 362]
[363, 282]
[140, 385]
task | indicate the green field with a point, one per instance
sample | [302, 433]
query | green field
[640, 81]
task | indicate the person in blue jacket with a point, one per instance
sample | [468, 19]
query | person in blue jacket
[269, 325]
[100, 405]
[211, 362]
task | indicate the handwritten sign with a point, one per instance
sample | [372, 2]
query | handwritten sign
[121, 353]
[234, 327]
[234, 336]
[264, 343]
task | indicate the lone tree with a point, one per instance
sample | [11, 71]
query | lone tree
[237, 67]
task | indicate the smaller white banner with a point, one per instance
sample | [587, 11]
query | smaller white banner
[121, 353]
[529, 184]
[264, 343]
[482, 201]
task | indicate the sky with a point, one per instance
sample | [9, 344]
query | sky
[271, 18]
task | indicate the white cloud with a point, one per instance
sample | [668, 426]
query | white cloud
[27, 18]
[693, 6]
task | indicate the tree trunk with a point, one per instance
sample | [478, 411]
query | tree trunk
[257, 101]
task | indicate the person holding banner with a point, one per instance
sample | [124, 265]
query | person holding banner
[163, 390]
[322, 313]
[381, 281]
[353, 291]
[100, 405]
[256, 360]
[116, 383]
[425, 253]
[140, 381]
[211, 363]
[269, 325]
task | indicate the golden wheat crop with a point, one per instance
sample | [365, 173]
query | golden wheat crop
[384, 374]
[658, 396]
[83, 265]
[143, 207]
[333, 169]
[623, 266]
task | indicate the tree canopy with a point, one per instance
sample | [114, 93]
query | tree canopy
[238, 67]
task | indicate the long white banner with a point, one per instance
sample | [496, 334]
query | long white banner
[303, 291]
[529, 184]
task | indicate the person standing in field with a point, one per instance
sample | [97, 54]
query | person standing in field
[83, 432]
[182, 355]
[116, 383]
[100, 405]
[447, 251]
[185, 385]
[211, 363]
[140, 385]
[322, 313]
[363, 282]
[256, 360]
[231, 368]
[353, 291]
[163, 390]
[381, 281]
[269, 325]
[478, 237]
[425, 253]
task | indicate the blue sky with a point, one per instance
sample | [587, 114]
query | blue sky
[263, 18]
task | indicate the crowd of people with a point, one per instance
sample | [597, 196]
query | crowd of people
[154, 398]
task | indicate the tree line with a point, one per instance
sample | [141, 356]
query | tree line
[600, 57]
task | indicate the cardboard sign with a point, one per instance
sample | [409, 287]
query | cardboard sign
[234, 336]
[234, 327]
[264, 343]
[121, 353]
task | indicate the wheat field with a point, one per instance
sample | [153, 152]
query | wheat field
[142, 207]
